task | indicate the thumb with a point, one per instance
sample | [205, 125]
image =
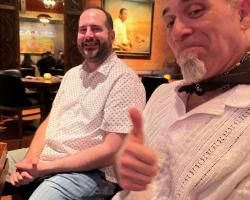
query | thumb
[137, 130]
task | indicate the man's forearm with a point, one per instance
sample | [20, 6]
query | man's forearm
[96, 157]
[37, 143]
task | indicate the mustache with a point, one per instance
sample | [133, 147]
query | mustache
[90, 42]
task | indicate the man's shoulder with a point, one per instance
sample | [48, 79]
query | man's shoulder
[73, 71]
[118, 65]
[123, 69]
[164, 93]
[117, 20]
[168, 88]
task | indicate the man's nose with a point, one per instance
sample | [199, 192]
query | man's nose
[181, 30]
[89, 32]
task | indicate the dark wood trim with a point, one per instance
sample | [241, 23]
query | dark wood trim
[9, 34]
[7, 7]
[72, 12]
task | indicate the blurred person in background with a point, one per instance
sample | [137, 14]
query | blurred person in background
[27, 61]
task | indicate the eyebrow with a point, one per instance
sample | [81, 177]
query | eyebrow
[166, 10]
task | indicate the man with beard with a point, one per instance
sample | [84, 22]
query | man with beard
[74, 147]
[195, 142]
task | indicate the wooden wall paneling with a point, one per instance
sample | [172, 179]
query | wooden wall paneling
[9, 34]
[72, 12]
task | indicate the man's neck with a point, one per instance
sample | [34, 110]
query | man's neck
[92, 66]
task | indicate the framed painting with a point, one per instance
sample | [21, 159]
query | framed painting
[36, 42]
[133, 22]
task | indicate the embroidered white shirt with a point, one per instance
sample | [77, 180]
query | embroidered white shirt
[88, 105]
[203, 154]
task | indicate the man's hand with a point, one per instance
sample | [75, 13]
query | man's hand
[28, 170]
[25, 172]
[136, 165]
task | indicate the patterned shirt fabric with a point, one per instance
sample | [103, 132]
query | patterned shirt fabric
[204, 154]
[88, 105]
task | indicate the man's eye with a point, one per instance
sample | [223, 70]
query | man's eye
[82, 30]
[196, 11]
[170, 23]
[96, 29]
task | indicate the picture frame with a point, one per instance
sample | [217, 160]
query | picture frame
[36, 41]
[133, 25]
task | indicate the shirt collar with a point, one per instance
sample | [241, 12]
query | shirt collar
[240, 97]
[237, 97]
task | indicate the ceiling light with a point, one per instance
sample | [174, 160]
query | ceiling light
[51, 3]
[44, 18]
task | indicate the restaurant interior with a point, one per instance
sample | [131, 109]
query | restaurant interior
[31, 29]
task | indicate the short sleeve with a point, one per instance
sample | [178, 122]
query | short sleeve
[126, 93]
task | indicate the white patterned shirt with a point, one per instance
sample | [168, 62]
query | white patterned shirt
[204, 154]
[88, 105]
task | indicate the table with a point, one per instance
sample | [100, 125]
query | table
[37, 82]
[44, 87]
[4, 166]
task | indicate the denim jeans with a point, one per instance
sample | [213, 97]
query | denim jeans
[68, 186]
[89, 185]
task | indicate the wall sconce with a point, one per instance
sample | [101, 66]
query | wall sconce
[44, 18]
[50, 3]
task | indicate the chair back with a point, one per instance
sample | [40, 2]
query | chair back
[27, 71]
[151, 83]
[12, 92]
[11, 72]
[55, 71]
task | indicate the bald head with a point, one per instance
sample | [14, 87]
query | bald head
[108, 21]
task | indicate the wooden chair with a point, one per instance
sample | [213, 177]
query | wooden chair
[14, 100]
[12, 72]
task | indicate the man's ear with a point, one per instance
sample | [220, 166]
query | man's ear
[112, 34]
[244, 8]
[244, 12]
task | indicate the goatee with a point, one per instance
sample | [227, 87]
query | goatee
[193, 69]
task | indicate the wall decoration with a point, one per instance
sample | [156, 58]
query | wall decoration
[36, 42]
[133, 22]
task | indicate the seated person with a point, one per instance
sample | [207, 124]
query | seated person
[60, 61]
[74, 148]
[27, 61]
[197, 131]
[122, 41]
[41, 64]
[46, 62]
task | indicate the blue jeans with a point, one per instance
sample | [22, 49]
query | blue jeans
[69, 186]
[90, 185]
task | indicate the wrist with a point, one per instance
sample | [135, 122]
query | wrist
[50, 167]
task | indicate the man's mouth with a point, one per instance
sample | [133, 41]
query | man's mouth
[90, 43]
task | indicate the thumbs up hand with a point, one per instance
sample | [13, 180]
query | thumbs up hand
[136, 164]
